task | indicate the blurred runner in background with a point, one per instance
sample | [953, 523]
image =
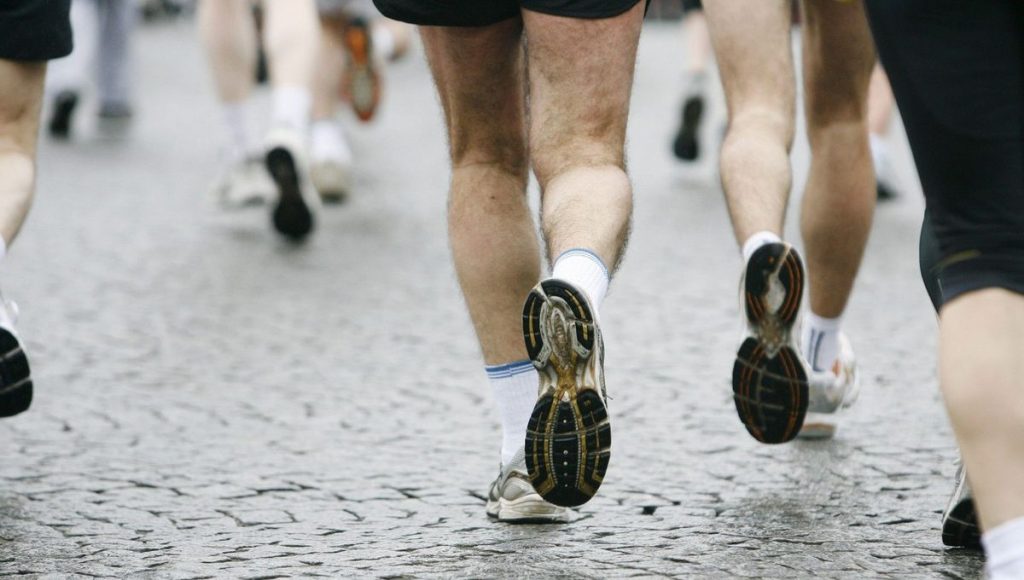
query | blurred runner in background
[291, 37]
[880, 109]
[353, 48]
[696, 78]
[103, 34]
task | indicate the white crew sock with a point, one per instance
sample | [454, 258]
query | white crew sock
[1004, 551]
[236, 121]
[879, 151]
[3, 248]
[821, 341]
[291, 108]
[328, 143]
[585, 270]
[756, 241]
[515, 392]
[383, 42]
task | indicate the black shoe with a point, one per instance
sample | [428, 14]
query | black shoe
[685, 145]
[960, 520]
[885, 193]
[63, 111]
[769, 377]
[15, 377]
[293, 214]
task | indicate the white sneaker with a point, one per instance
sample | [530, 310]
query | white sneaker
[831, 391]
[242, 185]
[331, 178]
[295, 209]
[15, 376]
[512, 499]
[331, 169]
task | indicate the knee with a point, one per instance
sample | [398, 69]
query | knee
[504, 153]
[552, 160]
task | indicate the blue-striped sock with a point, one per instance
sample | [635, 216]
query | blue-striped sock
[515, 392]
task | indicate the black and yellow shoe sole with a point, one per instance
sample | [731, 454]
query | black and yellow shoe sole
[769, 380]
[15, 376]
[568, 438]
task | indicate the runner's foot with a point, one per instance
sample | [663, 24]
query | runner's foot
[294, 210]
[686, 146]
[15, 378]
[960, 520]
[512, 499]
[242, 184]
[769, 378]
[831, 391]
[362, 81]
[568, 439]
[64, 105]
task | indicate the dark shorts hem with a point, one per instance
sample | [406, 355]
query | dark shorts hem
[1004, 271]
[35, 30]
[476, 13]
[612, 12]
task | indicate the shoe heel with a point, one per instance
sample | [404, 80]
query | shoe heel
[291, 217]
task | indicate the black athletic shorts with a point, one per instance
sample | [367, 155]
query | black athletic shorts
[957, 70]
[34, 30]
[487, 12]
[689, 5]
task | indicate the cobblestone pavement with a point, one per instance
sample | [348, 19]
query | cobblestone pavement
[213, 402]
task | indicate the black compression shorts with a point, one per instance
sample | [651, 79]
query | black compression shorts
[487, 12]
[34, 30]
[957, 70]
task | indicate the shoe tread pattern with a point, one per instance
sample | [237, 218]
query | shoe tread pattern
[568, 438]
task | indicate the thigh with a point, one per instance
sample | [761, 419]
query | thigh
[21, 92]
[480, 82]
[754, 53]
[581, 76]
[838, 57]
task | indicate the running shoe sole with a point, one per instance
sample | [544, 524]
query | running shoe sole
[15, 376]
[363, 81]
[769, 379]
[568, 438]
[292, 217]
[686, 146]
[526, 510]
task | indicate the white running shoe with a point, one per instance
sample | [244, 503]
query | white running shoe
[242, 185]
[297, 203]
[332, 179]
[512, 498]
[831, 391]
[331, 169]
[15, 377]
